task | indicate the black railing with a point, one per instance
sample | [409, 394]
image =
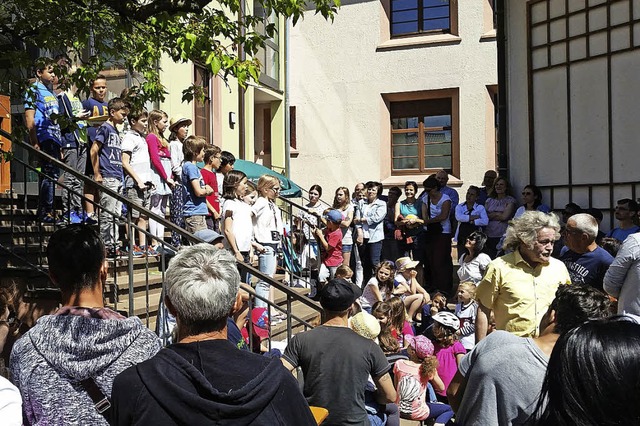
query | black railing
[119, 264]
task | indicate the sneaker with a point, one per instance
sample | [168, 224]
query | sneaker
[138, 251]
[64, 219]
[115, 253]
[48, 218]
[151, 251]
[90, 219]
[75, 217]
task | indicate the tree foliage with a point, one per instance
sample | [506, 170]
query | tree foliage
[134, 34]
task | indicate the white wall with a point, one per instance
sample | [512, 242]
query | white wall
[338, 73]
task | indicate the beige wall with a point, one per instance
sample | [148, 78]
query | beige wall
[339, 72]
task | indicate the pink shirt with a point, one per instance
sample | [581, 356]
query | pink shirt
[448, 364]
[411, 390]
[156, 150]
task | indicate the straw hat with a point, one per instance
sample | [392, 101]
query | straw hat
[176, 121]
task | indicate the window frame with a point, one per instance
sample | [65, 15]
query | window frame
[202, 110]
[453, 21]
[451, 94]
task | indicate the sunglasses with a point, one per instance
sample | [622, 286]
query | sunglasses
[527, 193]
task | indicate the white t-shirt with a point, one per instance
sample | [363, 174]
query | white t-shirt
[347, 233]
[267, 218]
[136, 145]
[368, 298]
[177, 158]
[242, 225]
[10, 403]
[473, 271]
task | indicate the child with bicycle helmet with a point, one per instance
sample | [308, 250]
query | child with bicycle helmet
[447, 349]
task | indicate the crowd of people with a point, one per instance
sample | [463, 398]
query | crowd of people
[522, 339]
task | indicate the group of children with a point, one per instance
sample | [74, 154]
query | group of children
[125, 150]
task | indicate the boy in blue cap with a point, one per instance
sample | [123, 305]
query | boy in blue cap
[330, 242]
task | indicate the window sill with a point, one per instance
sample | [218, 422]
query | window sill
[488, 36]
[399, 180]
[418, 41]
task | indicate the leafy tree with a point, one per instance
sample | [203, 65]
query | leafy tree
[133, 35]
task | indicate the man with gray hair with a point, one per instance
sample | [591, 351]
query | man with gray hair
[519, 286]
[204, 379]
[585, 260]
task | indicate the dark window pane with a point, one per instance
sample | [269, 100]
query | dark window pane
[437, 121]
[403, 16]
[405, 163]
[405, 139]
[438, 149]
[435, 24]
[436, 12]
[438, 162]
[437, 136]
[404, 123]
[405, 151]
[403, 5]
[409, 27]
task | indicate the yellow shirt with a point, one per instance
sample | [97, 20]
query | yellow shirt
[518, 294]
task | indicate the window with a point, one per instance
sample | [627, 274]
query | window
[269, 55]
[420, 16]
[424, 132]
[202, 109]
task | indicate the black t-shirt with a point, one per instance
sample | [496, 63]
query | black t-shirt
[336, 363]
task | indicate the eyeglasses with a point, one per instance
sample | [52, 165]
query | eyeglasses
[218, 157]
[276, 189]
[527, 193]
[472, 239]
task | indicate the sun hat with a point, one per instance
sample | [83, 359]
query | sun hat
[421, 344]
[405, 263]
[447, 319]
[365, 325]
[178, 120]
[338, 294]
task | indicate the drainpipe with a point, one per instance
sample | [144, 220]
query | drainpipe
[241, 99]
[287, 117]
[503, 145]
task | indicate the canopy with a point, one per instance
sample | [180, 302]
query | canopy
[254, 171]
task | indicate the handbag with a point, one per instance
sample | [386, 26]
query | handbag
[435, 228]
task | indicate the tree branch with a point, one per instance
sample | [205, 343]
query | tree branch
[142, 12]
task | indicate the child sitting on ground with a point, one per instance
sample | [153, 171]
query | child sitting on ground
[382, 312]
[400, 326]
[447, 349]
[407, 286]
[412, 377]
[344, 272]
[380, 286]
[466, 311]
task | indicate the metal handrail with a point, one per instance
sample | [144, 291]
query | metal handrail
[291, 295]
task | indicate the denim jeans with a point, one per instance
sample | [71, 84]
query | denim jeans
[267, 263]
[110, 206]
[76, 158]
[48, 184]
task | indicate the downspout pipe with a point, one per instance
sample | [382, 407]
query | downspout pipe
[287, 117]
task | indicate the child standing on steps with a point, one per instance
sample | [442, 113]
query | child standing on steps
[106, 159]
[330, 241]
[466, 311]
[195, 206]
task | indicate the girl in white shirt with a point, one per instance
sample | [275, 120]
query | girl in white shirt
[474, 263]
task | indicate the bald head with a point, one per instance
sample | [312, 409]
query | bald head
[442, 177]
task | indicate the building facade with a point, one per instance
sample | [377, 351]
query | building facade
[572, 99]
[394, 90]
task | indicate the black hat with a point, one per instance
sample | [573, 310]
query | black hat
[338, 294]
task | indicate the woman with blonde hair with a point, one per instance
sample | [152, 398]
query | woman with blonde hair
[267, 230]
[161, 168]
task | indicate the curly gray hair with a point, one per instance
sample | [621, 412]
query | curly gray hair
[524, 230]
[202, 283]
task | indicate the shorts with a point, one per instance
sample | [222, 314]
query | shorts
[194, 224]
[346, 248]
[89, 167]
[140, 198]
[326, 273]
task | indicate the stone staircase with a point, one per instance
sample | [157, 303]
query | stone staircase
[23, 242]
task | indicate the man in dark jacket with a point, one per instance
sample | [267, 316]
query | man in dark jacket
[204, 379]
